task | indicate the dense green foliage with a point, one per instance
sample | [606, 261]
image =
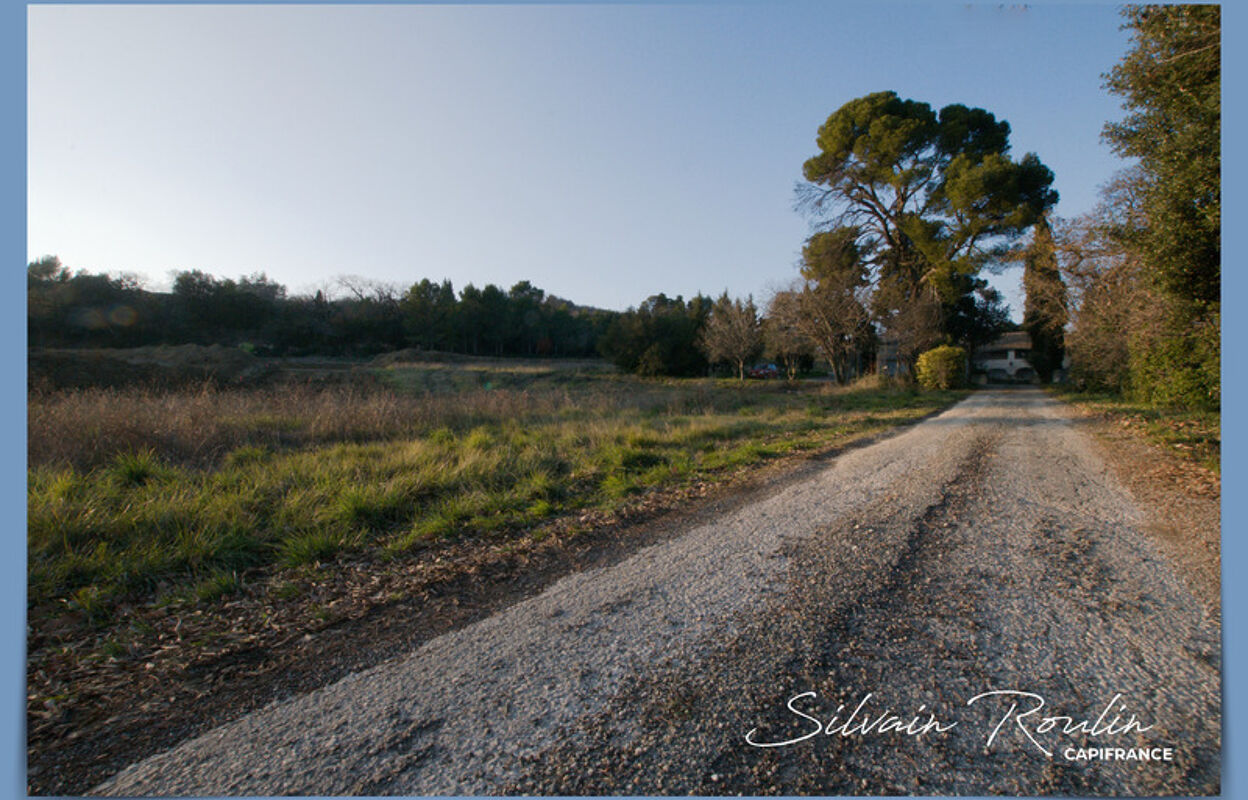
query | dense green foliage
[926, 199]
[659, 337]
[1177, 359]
[942, 367]
[83, 309]
[1171, 87]
[63, 308]
[1170, 82]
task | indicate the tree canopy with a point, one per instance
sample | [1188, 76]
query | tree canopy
[659, 337]
[1171, 86]
[829, 305]
[1170, 81]
[925, 199]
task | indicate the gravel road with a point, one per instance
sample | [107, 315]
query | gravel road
[987, 549]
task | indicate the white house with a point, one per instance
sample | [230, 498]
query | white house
[1005, 360]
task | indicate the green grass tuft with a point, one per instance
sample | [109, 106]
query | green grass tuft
[540, 509]
[247, 454]
[312, 547]
[136, 469]
[218, 585]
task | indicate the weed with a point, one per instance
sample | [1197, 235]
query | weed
[443, 437]
[479, 439]
[93, 602]
[218, 585]
[372, 507]
[247, 454]
[311, 547]
[136, 469]
[542, 508]
[618, 486]
[286, 590]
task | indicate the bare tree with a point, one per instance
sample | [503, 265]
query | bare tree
[911, 319]
[828, 315]
[369, 290]
[732, 333]
[1108, 298]
[783, 338]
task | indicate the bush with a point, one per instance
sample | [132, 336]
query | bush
[1177, 364]
[942, 367]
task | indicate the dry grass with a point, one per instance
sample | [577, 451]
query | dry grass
[89, 427]
[141, 495]
[1194, 436]
[199, 428]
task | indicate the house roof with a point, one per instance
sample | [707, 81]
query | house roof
[1014, 340]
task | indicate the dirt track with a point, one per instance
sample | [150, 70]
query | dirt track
[988, 548]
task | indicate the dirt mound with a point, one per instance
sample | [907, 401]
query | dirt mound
[162, 366]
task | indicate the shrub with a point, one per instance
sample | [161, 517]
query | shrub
[136, 469]
[942, 367]
[1176, 363]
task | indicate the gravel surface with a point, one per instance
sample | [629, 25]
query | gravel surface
[985, 549]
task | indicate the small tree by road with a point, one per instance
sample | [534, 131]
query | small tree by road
[826, 308]
[733, 333]
[783, 339]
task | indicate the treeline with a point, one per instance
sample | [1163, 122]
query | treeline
[1144, 268]
[83, 309]
[913, 203]
[662, 336]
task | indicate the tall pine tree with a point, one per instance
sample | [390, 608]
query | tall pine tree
[1044, 309]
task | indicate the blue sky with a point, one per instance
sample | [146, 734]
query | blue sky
[603, 152]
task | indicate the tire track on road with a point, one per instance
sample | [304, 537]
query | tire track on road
[1026, 576]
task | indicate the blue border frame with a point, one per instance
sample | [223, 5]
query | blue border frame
[13, 391]
[1234, 331]
[13, 399]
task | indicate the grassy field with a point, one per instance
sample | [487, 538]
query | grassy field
[1193, 435]
[142, 497]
